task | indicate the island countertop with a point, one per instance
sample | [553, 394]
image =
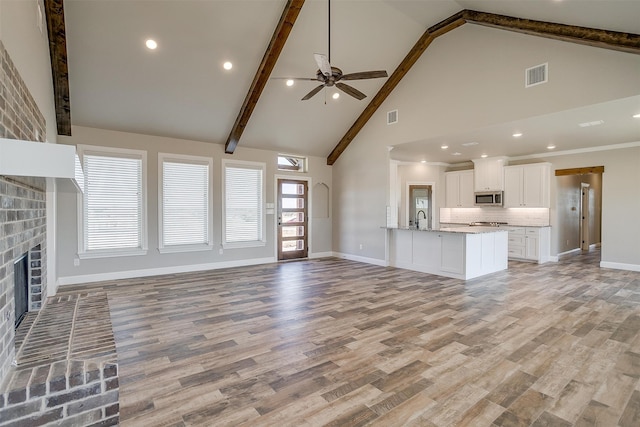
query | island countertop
[461, 230]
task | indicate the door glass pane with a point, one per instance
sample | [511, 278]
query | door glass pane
[288, 188]
[292, 245]
[292, 203]
[288, 217]
[292, 231]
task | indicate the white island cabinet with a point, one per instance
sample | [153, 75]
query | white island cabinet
[461, 253]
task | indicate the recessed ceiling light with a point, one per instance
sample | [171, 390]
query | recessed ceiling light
[483, 156]
[444, 147]
[151, 44]
[550, 147]
[423, 161]
[227, 65]
[517, 135]
[335, 95]
[456, 154]
[469, 144]
[636, 116]
[290, 82]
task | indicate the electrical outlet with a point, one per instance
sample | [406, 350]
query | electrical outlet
[220, 251]
[76, 262]
[360, 246]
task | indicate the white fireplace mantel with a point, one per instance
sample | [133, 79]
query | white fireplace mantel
[38, 159]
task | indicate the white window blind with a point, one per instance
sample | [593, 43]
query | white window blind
[185, 203]
[243, 204]
[113, 211]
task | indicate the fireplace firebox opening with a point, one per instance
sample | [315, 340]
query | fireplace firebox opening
[21, 287]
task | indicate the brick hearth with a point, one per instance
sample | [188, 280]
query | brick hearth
[66, 366]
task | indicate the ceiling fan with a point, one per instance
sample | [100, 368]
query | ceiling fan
[333, 76]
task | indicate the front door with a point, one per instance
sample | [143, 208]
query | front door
[293, 226]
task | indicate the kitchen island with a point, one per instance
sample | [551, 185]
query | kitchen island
[457, 252]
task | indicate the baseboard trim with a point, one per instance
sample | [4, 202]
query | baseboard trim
[567, 253]
[350, 257]
[321, 255]
[133, 274]
[620, 266]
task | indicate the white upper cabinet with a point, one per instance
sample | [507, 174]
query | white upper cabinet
[527, 186]
[459, 189]
[488, 174]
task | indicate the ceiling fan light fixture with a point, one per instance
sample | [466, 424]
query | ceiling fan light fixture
[336, 95]
[329, 76]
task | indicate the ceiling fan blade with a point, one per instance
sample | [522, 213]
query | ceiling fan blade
[350, 90]
[323, 63]
[365, 75]
[313, 92]
[295, 78]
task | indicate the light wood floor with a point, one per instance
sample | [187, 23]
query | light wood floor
[340, 343]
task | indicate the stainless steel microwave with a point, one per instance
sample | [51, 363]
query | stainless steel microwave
[489, 198]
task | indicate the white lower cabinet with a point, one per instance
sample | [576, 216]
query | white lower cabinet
[451, 247]
[529, 243]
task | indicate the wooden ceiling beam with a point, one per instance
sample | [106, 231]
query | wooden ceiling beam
[279, 38]
[414, 54]
[54, 12]
[624, 42]
[580, 171]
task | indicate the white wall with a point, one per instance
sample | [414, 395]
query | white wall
[471, 78]
[154, 262]
[29, 50]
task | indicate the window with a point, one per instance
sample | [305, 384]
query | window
[292, 163]
[243, 202]
[184, 203]
[113, 202]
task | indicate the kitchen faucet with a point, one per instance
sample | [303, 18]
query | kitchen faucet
[418, 218]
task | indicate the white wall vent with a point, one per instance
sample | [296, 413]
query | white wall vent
[392, 117]
[536, 75]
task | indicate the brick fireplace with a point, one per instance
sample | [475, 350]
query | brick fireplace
[22, 208]
[63, 374]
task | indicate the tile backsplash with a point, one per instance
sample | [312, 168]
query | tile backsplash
[513, 216]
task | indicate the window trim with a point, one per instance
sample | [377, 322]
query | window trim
[183, 158]
[83, 253]
[304, 167]
[247, 165]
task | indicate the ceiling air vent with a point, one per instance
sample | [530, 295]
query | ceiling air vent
[536, 75]
[392, 117]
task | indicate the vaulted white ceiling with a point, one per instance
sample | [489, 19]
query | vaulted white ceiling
[181, 90]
